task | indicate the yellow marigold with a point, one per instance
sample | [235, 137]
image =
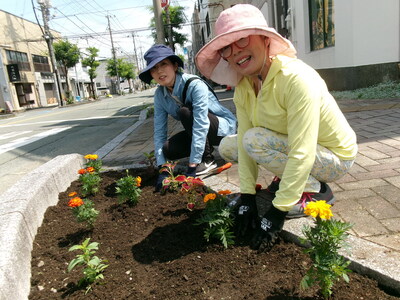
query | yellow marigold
[72, 194]
[90, 169]
[138, 181]
[224, 192]
[75, 202]
[209, 197]
[91, 156]
[82, 171]
[319, 209]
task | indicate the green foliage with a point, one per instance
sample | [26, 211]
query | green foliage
[384, 90]
[86, 213]
[177, 20]
[128, 189]
[218, 218]
[90, 183]
[150, 111]
[93, 266]
[325, 239]
[94, 163]
[91, 62]
[66, 53]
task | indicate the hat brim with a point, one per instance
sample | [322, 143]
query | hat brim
[145, 75]
[212, 66]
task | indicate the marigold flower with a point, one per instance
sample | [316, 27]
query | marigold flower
[209, 197]
[90, 169]
[82, 171]
[75, 202]
[224, 192]
[138, 181]
[72, 194]
[319, 209]
[91, 156]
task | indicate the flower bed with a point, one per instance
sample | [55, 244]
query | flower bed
[154, 250]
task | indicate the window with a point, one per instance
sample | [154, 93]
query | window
[322, 28]
[41, 63]
[19, 58]
[208, 25]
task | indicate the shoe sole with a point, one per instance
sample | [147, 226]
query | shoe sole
[302, 214]
[205, 171]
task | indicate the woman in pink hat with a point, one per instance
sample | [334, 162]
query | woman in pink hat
[288, 121]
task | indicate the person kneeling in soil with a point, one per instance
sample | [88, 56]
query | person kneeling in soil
[288, 121]
[204, 119]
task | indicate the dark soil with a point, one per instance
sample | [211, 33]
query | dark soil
[155, 252]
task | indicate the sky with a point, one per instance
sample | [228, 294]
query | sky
[85, 22]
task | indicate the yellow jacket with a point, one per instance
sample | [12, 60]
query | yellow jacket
[295, 101]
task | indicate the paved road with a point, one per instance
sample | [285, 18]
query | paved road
[36, 136]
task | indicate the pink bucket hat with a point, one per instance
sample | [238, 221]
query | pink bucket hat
[233, 24]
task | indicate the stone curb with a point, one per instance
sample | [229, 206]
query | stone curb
[22, 211]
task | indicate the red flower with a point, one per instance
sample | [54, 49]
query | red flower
[82, 171]
[90, 169]
[190, 206]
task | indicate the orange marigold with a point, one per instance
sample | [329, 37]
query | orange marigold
[90, 169]
[224, 192]
[72, 194]
[138, 180]
[82, 171]
[75, 202]
[209, 197]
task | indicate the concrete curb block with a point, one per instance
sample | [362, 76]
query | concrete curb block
[366, 258]
[22, 212]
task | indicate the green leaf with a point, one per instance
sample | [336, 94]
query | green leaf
[75, 262]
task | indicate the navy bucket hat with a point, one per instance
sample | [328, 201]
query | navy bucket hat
[153, 56]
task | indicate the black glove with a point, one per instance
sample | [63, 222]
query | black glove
[268, 233]
[246, 214]
[191, 172]
[160, 178]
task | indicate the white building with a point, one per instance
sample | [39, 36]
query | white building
[351, 43]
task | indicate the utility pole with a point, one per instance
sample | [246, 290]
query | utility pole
[136, 57]
[159, 22]
[171, 42]
[44, 7]
[114, 57]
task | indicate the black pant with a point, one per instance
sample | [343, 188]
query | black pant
[179, 145]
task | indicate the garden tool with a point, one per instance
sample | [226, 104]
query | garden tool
[218, 170]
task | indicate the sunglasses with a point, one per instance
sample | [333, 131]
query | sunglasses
[226, 52]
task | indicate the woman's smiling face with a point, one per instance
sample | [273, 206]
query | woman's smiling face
[249, 60]
[164, 73]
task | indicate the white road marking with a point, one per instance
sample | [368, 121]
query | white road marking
[27, 140]
[13, 134]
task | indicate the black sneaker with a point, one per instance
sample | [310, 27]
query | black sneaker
[325, 193]
[205, 167]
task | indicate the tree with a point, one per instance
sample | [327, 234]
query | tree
[127, 70]
[91, 62]
[121, 68]
[67, 55]
[177, 18]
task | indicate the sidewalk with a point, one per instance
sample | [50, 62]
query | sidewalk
[368, 196]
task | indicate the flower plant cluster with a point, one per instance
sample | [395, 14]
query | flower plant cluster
[93, 266]
[218, 218]
[89, 176]
[217, 215]
[128, 189]
[83, 209]
[325, 239]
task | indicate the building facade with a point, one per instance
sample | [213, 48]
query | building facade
[26, 76]
[352, 44]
